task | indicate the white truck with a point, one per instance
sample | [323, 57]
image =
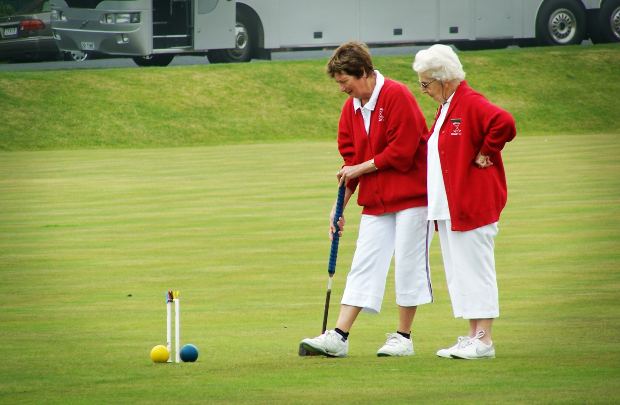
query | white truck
[152, 32]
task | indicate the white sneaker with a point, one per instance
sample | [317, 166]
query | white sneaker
[474, 349]
[329, 344]
[396, 345]
[447, 353]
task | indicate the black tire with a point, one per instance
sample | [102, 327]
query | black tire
[245, 42]
[608, 23]
[560, 22]
[163, 59]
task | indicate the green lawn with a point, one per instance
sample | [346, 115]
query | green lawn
[567, 90]
[90, 240]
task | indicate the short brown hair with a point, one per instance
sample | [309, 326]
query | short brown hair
[352, 58]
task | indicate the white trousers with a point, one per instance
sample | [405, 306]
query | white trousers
[469, 261]
[406, 235]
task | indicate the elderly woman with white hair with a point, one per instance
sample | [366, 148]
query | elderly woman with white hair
[466, 193]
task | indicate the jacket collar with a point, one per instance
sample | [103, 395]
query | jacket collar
[372, 102]
[455, 97]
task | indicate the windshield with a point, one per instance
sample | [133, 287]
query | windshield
[10, 7]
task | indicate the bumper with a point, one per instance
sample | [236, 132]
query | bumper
[126, 43]
[28, 48]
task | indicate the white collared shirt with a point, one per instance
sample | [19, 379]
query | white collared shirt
[436, 189]
[369, 107]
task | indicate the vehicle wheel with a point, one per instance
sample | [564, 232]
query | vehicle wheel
[163, 59]
[244, 43]
[608, 23]
[560, 22]
[76, 56]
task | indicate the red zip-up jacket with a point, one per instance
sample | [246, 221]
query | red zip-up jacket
[476, 196]
[397, 141]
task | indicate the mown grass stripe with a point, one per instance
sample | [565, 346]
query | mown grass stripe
[241, 230]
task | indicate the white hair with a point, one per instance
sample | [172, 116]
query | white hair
[439, 62]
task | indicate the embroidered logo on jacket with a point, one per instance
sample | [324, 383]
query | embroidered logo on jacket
[381, 116]
[456, 126]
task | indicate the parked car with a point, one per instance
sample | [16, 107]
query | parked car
[26, 33]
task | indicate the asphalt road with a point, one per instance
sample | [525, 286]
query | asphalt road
[187, 60]
[201, 60]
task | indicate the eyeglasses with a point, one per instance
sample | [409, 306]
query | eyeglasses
[425, 85]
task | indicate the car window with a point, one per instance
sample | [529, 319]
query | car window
[32, 6]
[7, 7]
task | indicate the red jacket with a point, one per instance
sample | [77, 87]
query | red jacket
[397, 142]
[476, 196]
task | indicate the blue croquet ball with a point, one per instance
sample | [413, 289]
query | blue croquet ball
[189, 353]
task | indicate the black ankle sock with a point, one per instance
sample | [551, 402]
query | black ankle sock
[405, 335]
[345, 335]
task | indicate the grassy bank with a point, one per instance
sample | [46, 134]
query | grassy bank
[90, 241]
[566, 90]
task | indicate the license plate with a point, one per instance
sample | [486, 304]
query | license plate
[9, 32]
[88, 46]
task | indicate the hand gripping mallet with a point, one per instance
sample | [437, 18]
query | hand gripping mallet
[331, 267]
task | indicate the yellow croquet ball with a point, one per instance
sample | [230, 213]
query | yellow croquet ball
[159, 354]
